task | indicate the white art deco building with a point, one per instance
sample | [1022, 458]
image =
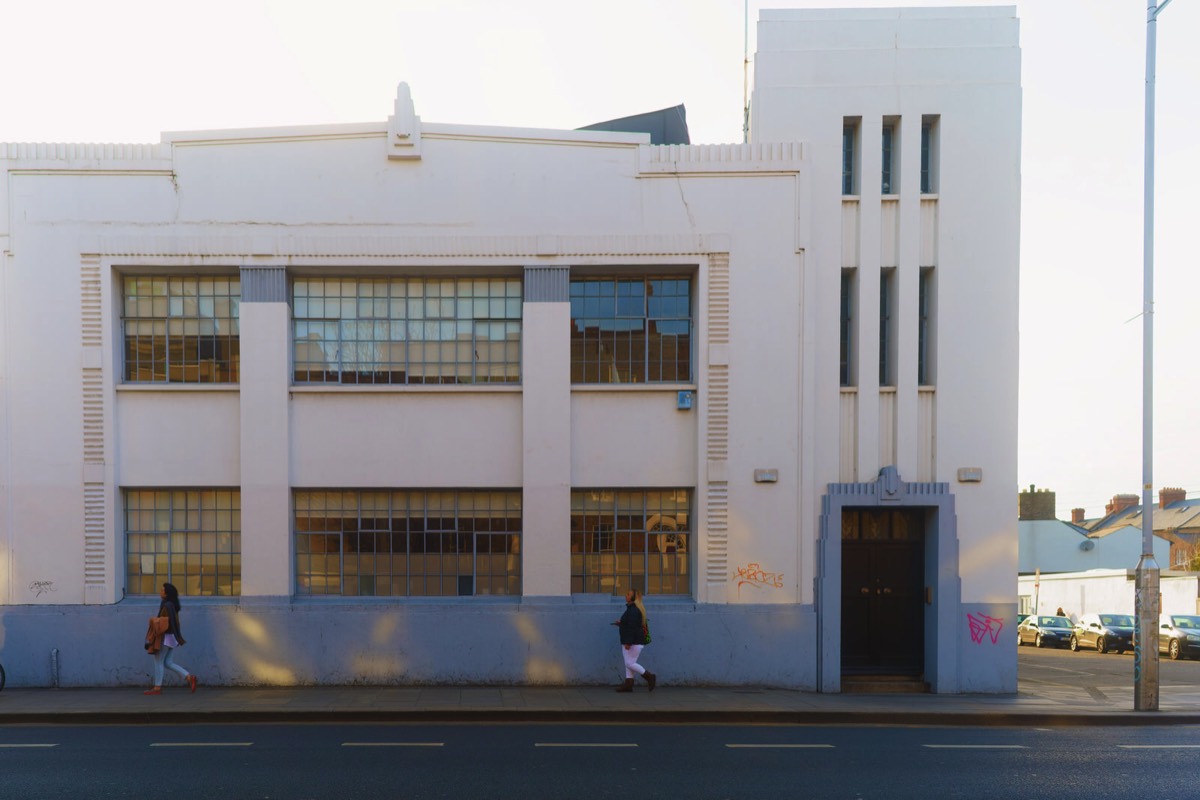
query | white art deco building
[416, 402]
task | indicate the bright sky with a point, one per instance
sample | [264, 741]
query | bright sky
[126, 70]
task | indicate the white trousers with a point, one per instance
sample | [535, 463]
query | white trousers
[632, 667]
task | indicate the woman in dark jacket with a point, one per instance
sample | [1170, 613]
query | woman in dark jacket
[632, 627]
[169, 608]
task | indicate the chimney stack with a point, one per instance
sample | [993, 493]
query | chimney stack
[1120, 502]
[1168, 496]
[1036, 504]
[1077, 515]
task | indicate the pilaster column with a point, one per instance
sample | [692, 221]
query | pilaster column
[267, 552]
[546, 438]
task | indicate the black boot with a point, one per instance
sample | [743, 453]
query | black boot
[627, 686]
[651, 679]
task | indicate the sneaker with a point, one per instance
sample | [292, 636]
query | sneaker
[155, 690]
[191, 679]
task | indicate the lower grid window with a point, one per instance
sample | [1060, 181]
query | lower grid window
[192, 539]
[622, 540]
[408, 543]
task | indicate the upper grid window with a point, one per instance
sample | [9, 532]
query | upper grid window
[407, 330]
[192, 539]
[406, 543]
[631, 330]
[181, 329]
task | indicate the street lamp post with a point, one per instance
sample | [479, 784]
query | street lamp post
[1146, 597]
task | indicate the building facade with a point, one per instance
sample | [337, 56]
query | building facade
[408, 402]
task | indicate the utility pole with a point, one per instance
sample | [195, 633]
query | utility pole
[1146, 596]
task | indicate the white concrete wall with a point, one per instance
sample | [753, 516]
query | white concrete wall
[412, 439]
[1107, 591]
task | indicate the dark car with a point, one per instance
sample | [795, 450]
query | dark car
[1104, 632]
[1179, 636]
[1044, 631]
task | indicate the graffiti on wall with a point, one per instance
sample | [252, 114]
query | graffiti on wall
[982, 625]
[754, 575]
[39, 588]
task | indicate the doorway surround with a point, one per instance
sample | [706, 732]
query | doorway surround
[943, 588]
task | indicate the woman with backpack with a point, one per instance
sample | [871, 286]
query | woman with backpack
[634, 627]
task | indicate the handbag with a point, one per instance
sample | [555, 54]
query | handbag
[154, 633]
[646, 632]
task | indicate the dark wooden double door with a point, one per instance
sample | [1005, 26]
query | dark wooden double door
[883, 591]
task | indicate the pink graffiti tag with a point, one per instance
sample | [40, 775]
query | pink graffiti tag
[755, 575]
[982, 624]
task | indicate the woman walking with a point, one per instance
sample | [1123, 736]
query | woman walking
[169, 608]
[633, 626]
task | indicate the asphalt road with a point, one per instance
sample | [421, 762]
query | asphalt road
[1089, 668]
[536, 762]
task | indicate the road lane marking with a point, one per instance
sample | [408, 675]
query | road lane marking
[29, 745]
[584, 744]
[201, 744]
[793, 746]
[392, 744]
[976, 746]
[1159, 746]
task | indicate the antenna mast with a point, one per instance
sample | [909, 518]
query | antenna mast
[746, 74]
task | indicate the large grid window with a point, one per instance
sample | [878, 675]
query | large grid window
[408, 543]
[181, 329]
[407, 330]
[631, 330]
[191, 538]
[622, 540]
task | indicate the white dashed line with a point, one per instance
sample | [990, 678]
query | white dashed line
[791, 746]
[28, 745]
[976, 746]
[201, 744]
[584, 744]
[1159, 746]
[392, 744]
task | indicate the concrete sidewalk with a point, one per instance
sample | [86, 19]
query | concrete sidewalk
[1034, 704]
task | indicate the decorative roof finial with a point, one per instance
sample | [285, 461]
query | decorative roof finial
[404, 127]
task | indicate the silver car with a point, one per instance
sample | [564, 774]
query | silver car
[1179, 636]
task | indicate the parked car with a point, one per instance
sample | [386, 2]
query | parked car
[1179, 636]
[1044, 631]
[1104, 632]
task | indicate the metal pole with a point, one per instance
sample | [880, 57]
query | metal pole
[1146, 597]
